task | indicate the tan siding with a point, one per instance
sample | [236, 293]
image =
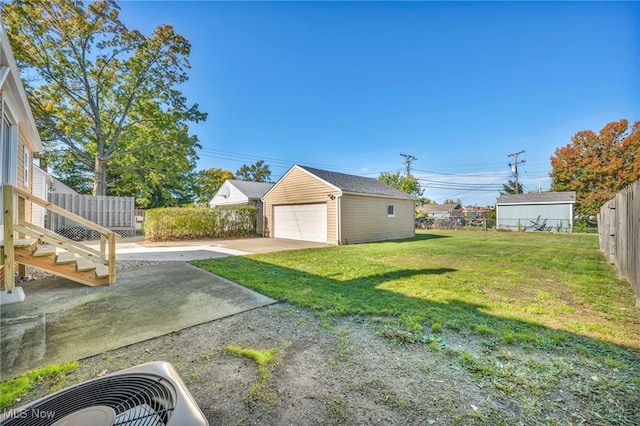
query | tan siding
[299, 187]
[22, 148]
[365, 219]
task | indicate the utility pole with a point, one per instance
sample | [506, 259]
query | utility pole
[514, 166]
[407, 161]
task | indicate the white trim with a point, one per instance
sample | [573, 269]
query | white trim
[13, 85]
[26, 167]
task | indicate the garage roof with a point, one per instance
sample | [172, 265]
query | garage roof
[538, 198]
[253, 190]
[356, 184]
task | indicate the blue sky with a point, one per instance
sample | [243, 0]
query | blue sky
[349, 86]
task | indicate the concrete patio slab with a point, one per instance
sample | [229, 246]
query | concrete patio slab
[61, 321]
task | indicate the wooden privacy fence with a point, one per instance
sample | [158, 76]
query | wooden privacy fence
[619, 234]
[114, 213]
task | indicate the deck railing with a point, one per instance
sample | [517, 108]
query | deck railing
[15, 222]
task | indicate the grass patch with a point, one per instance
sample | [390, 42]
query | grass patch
[263, 359]
[12, 390]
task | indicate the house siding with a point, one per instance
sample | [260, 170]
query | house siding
[299, 187]
[235, 198]
[365, 218]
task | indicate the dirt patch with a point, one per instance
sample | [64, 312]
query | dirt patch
[340, 370]
[327, 372]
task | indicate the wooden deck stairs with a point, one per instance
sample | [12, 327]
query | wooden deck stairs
[28, 251]
[26, 244]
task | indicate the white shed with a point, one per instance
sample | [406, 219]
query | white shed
[544, 211]
[242, 193]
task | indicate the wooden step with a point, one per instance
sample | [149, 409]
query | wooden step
[24, 242]
[65, 270]
[102, 271]
[65, 257]
[21, 242]
[45, 250]
[83, 264]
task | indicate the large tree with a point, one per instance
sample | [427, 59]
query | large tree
[598, 165]
[258, 172]
[104, 94]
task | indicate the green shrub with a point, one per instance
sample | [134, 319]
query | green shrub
[181, 223]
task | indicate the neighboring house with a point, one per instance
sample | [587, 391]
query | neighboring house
[441, 211]
[242, 193]
[544, 211]
[336, 208]
[43, 185]
[18, 130]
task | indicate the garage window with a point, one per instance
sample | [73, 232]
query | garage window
[391, 210]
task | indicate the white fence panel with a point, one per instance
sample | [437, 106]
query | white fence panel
[113, 213]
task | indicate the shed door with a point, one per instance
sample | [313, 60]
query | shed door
[307, 222]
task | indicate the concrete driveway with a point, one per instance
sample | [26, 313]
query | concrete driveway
[62, 321]
[136, 248]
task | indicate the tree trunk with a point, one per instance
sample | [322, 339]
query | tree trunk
[100, 176]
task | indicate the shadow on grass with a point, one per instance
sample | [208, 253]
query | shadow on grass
[418, 237]
[416, 315]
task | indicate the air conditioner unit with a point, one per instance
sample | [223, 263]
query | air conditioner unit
[151, 394]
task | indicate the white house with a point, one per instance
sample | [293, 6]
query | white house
[242, 193]
[545, 211]
[43, 184]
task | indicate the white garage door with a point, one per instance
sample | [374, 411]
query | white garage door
[307, 222]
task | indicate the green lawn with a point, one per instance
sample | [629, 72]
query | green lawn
[539, 320]
[516, 288]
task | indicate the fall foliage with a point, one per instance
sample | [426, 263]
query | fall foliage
[597, 166]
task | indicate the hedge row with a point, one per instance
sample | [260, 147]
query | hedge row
[182, 223]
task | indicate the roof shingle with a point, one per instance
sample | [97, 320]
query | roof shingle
[538, 197]
[253, 190]
[357, 184]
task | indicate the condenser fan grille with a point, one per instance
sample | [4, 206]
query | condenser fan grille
[136, 400]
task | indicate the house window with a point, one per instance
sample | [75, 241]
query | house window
[26, 167]
[391, 210]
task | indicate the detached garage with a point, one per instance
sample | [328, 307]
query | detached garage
[541, 212]
[317, 205]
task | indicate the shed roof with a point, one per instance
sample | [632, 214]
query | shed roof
[253, 190]
[356, 184]
[539, 198]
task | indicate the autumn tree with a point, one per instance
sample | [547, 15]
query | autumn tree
[208, 182]
[258, 172]
[597, 166]
[106, 95]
